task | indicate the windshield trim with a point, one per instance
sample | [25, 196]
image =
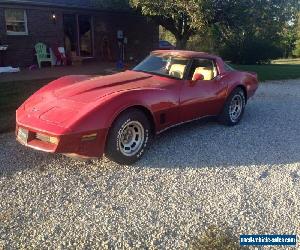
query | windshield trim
[158, 74]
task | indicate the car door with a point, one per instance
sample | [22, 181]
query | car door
[200, 98]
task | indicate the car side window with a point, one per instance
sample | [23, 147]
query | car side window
[205, 67]
[228, 68]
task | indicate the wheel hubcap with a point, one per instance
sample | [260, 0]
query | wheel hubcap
[131, 138]
[236, 107]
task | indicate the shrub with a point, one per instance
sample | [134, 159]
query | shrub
[252, 50]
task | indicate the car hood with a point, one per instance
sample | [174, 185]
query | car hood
[67, 98]
[91, 89]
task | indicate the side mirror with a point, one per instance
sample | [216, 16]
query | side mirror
[198, 77]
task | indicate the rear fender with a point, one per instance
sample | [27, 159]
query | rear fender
[246, 81]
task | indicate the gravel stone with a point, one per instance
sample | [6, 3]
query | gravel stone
[245, 178]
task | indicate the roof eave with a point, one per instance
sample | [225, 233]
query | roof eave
[30, 3]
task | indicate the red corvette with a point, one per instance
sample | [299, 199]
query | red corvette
[86, 116]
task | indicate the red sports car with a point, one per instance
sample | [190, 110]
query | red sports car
[86, 116]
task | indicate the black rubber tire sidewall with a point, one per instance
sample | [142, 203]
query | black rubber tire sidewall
[112, 146]
[224, 117]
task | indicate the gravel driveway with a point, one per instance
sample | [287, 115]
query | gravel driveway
[245, 179]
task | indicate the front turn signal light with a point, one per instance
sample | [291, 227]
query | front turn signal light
[54, 140]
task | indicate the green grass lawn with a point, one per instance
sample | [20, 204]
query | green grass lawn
[273, 71]
[12, 95]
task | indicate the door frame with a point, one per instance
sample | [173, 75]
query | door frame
[78, 35]
[189, 84]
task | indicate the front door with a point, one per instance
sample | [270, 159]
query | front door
[204, 97]
[85, 36]
[71, 34]
[78, 31]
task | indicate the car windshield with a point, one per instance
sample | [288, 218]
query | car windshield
[165, 65]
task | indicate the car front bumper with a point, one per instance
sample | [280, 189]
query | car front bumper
[89, 144]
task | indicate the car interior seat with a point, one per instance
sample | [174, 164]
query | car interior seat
[208, 73]
[177, 70]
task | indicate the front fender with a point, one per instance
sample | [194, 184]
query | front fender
[107, 109]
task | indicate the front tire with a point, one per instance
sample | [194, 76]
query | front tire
[129, 137]
[234, 108]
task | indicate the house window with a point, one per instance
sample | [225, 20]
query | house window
[16, 22]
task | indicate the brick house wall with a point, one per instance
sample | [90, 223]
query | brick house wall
[142, 34]
[40, 28]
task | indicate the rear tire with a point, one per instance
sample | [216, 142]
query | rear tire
[234, 108]
[129, 137]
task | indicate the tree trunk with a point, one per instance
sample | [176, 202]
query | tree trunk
[181, 42]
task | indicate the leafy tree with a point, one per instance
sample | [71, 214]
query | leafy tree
[250, 31]
[181, 18]
[296, 51]
[288, 40]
